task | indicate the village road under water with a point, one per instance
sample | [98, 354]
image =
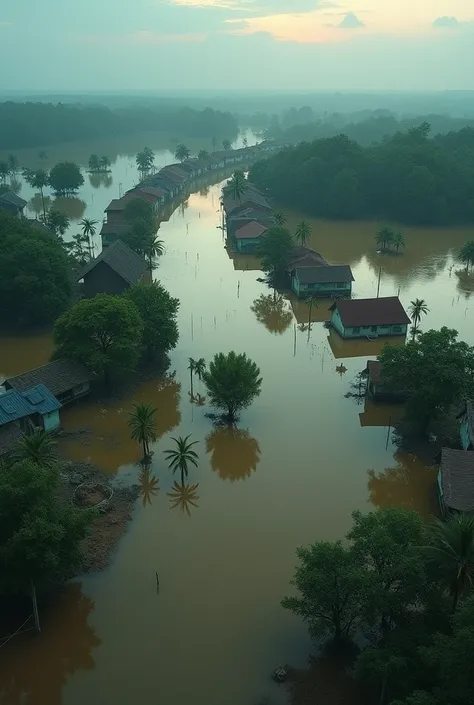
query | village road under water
[301, 460]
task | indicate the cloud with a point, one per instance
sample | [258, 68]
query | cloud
[450, 22]
[350, 21]
[257, 8]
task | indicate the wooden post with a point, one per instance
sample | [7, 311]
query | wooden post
[35, 608]
[378, 285]
[388, 431]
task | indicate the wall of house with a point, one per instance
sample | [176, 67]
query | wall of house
[103, 280]
[465, 435]
[365, 331]
[324, 289]
[115, 217]
[51, 421]
[247, 245]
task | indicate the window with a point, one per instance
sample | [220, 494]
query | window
[356, 330]
[397, 329]
[341, 285]
[373, 329]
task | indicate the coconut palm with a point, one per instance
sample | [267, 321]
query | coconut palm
[142, 422]
[203, 154]
[104, 163]
[311, 301]
[466, 254]
[145, 159]
[451, 552]
[37, 447]
[89, 230]
[181, 152]
[37, 179]
[417, 309]
[182, 456]
[399, 241]
[280, 218]
[200, 367]
[148, 485]
[384, 238]
[237, 185]
[192, 370]
[154, 248]
[303, 232]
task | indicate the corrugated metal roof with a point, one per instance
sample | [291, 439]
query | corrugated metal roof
[16, 405]
[328, 274]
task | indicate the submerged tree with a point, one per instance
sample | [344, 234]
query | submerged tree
[65, 178]
[145, 159]
[182, 456]
[142, 422]
[182, 152]
[303, 232]
[37, 179]
[237, 185]
[385, 238]
[158, 311]
[274, 249]
[417, 309]
[232, 382]
[399, 241]
[466, 254]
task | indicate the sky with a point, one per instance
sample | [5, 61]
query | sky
[311, 45]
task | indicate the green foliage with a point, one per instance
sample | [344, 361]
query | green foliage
[158, 311]
[272, 311]
[39, 534]
[384, 238]
[237, 185]
[137, 209]
[275, 248]
[407, 178]
[142, 423]
[94, 163]
[417, 309]
[38, 448]
[303, 232]
[65, 178]
[35, 275]
[226, 144]
[56, 222]
[466, 254]
[145, 159]
[182, 152]
[39, 179]
[203, 154]
[436, 371]
[104, 333]
[280, 219]
[232, 381]
[182, 456]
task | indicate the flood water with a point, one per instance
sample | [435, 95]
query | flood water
[303, 458]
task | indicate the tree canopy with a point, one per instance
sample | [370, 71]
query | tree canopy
[274, 249]
[65, 178]
[158, 311]
[35, 274]
[232, 381]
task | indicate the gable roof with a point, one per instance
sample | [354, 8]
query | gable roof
[326, 274]
[305, 257]
[250, 230]
[15, 405]
[457, 479]
[119, 257]
[58, 376]
[153, 191]
[174, 173]
[12, 198]
[371, 312]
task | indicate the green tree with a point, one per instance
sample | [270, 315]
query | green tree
[450, 551]
[35, 274]
[232, 381]
[200, 368]
[385, 237]
[40, 534]
[37, 179]
[145, 159]
[104, 333]
[13, 164]
[226, 144]
[65, 178]
[203, 154]
[89, 229]
[436, 371]
[245, 142]
[237, 185]
[158, 311]
[466, 254]
[56, 222]
[4, 172]
[94, 163]
[78, 249]
[399, 241]
[38, 448]
[153, 247]
[182, 456]
[142, 422]
[280, 219]
[417, 309]
[331, 586]
[104, 164]
[275, 248]
[138, 209]
[303, 232]
[182, 152]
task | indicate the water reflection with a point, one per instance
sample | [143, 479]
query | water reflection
[34, 671]
[183, 496]
[109, 445]
[148, 485]
[98, 180]
[380, 414]
[71, 206]
[24, 352]
[15, 185]
[234, 453]
[465, 282]
[361, 347]
[271, 310]
[319, 310]
[341, 370]
[245, 263]
[409, 484]
[35, 204]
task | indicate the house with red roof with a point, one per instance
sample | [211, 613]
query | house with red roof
[369, 318]
[248, 236]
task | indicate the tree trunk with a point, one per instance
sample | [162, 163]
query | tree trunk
[145, 454]
[42, 199]
[192, 388]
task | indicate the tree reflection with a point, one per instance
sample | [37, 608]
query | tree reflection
[15, 185]
[409, 484]
[35, 671]
[234, 453]
[35, 204]
[465, 283]
[148, 485]
[272, 312]
[71, 206]
[183, 496]
[98, 180]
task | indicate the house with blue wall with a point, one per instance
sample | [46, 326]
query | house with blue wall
[248, 236]
[325, 281]
[22, 412]
[369, 318]
[467, 427]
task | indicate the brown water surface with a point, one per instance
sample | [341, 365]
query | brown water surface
[302, 459]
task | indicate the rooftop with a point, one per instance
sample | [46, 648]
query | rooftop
[305, 257]
[371, 312]
[119, 257]
[250, 230]
[12, 198]
[58, 376]
[457, 479]
[15, 405]
[328, 274]
[374, 370]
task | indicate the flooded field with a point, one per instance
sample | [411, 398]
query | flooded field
[303, 458]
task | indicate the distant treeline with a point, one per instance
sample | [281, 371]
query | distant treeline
[26, 125]
[409, 178]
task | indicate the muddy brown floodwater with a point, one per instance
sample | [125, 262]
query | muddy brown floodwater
[303, 458]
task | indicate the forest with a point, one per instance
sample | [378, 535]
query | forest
[410, 178]
[26, 125]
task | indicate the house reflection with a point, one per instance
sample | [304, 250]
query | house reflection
[234, 453]
[380, 414]
[319, 310]
[360, 347]
[245, 263]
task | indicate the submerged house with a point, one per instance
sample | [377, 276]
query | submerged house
[378, 388]
[467, 426]
[21, 412]
[369, 318]
[455, 485]
[67, 380]
[11, 203]
[113, 271]
[247, 236]
[322, 280]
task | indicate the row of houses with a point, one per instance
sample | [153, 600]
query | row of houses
[166, 186]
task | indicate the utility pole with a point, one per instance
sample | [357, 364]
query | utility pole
[378, 284]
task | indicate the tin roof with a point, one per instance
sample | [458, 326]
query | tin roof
[326, 274]
[250, 230]
[119, 257]
[371, 312]
[59, 376]
[15, 405]
[457, 479]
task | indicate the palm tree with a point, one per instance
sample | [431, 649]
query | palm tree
[180, 457]
[237, 185]
[37, 179]
[13, 163]
[399, 241]
[466, 254]
[89, 230]
[280, 218]
[104, 163]
[38, 447]
[303, 232]
[142, 422]
[192, 369]
[200, 367]
[148, 485]
[226, 144]
[154, 248]
[145, 159]
[417, 309]
[311, 301]
[203, 154]
[181, 152]
[184, 497]
[94, 163]
[384, 238]
[451, 552]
